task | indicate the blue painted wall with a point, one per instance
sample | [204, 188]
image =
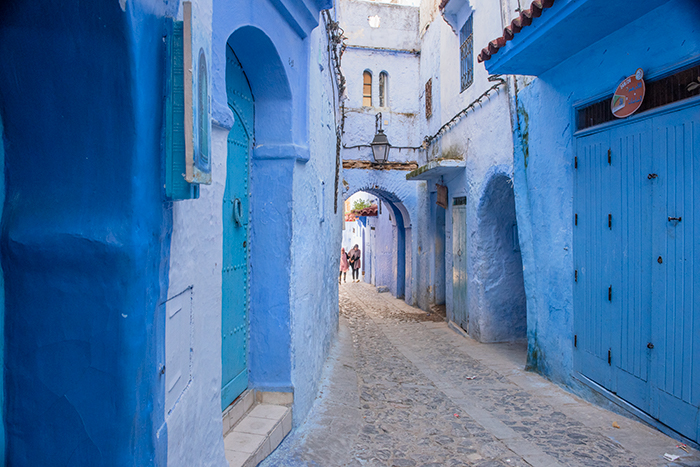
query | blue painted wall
[84, 231]
[657, 42]
[292, 173]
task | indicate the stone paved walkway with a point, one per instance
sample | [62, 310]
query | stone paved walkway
[401, 388]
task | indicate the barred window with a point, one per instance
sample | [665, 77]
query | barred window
[466, 53]
[367, 89]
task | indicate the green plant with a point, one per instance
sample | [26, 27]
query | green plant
[361, 204]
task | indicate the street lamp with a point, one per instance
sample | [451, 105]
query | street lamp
[380, 143]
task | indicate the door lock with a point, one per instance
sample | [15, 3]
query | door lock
[650, 176]
[660, 260]
[650, 345]
[674, 218]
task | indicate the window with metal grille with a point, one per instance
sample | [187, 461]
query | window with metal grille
[466, 53]
[677, 87]
[367, 89]
[429, 98]
[383, 89]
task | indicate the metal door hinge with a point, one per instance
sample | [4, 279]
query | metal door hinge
[575, 219]
[610, 221]
[576, 162]
[575, 340]
[609, 357]
[576, 275]
[609, 157]
[610, 293]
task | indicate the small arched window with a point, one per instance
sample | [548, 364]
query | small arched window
[383, 89]
[203, 114]
[367, 89]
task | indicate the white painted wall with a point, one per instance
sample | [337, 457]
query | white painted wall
[193, 336]
[482, 138]
[375, 50]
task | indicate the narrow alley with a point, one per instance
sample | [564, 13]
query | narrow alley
[349, 233]
[401, 388]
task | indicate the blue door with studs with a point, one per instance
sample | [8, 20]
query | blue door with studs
[234, 293]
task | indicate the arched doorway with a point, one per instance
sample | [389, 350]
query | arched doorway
[387, 243]
[499, 269]
[256, 218]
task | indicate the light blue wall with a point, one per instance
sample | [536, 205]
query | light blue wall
[316, 241]
[283, 54]
[657, 42]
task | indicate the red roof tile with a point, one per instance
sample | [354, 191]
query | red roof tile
[525, 19]
[366, 212]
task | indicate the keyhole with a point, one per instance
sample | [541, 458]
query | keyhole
[660, 260]
[244, 243]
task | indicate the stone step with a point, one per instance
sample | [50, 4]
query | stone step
[236, 411]
[254, 433]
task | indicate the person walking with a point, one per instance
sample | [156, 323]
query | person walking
[343, 266]
[355, 263]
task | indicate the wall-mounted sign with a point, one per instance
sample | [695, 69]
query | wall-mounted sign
[628, 96]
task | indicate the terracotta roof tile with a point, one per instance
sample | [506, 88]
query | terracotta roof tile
[523, 20]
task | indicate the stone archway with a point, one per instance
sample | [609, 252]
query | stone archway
[399, 272]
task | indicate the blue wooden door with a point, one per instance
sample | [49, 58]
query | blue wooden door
[630, 200]
[593, 305]
[637, 264]
[459, 262]
[234, 293]
[675, 224]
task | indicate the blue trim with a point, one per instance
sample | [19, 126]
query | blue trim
[282, 151]
[562, 31]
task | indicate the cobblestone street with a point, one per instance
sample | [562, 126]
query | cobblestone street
[403, 389]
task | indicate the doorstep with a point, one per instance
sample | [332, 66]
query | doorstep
[255, 425]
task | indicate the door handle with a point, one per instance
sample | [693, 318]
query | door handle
[650, 345]
[238, 211]
[674, 218]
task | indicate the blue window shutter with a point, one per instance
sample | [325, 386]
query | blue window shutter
[176, 187]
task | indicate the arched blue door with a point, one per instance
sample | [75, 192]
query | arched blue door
[234, 293]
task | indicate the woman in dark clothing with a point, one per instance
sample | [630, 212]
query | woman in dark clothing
[354, 260]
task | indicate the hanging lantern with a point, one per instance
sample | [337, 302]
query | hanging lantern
[380, 143]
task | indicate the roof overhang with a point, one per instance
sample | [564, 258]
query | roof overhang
[455, 13]
[436, 169]
[558, 32]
